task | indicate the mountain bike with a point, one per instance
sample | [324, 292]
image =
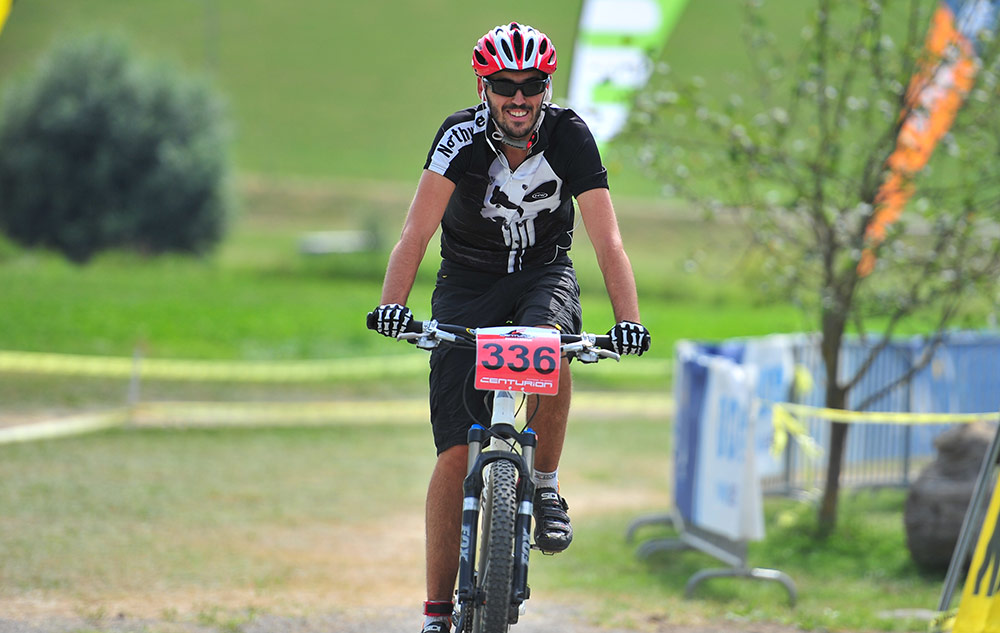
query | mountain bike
[498, 488]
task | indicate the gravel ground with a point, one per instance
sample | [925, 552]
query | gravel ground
[543, 619]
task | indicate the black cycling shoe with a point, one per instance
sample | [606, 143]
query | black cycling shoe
[553, 532]
[437, 627]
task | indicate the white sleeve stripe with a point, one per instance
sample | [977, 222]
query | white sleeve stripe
[452, 141]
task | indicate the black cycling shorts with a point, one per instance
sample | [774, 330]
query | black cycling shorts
[546, 295]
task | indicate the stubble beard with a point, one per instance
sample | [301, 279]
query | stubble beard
[498, 120]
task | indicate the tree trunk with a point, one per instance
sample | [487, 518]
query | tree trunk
[827, 518]
[836, 398]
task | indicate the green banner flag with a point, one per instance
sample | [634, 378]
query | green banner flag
[617, 44]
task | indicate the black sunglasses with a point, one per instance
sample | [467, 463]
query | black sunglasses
[506, 88]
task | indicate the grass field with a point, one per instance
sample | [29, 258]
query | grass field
[259, 299]
[352, 90]
[176, 524]
[318, 89]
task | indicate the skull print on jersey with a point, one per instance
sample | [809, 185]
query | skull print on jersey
[515, 200]
[500, 220]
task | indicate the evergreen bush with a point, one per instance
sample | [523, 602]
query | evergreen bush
[100, 150]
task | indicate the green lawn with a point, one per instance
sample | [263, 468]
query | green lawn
[319, 89]
[243, 519]
[324, 89]
[258, 298]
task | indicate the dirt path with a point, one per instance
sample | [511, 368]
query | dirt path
[544, 619]
[372, 590]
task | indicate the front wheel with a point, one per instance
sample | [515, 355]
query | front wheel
[496, 562]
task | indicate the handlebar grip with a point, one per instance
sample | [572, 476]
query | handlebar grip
[370, 321]
[414, 326]
[602, 341]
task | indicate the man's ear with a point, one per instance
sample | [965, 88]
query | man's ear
[548, 91]
[481, 88]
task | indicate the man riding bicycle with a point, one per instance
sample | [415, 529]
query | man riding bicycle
[499, 180]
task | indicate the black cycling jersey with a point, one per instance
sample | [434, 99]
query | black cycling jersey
[502, 221]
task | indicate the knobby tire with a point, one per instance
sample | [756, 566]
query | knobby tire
[496, 563]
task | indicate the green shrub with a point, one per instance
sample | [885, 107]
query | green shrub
[100, 150]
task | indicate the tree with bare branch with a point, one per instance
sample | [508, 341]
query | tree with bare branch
[864, 163]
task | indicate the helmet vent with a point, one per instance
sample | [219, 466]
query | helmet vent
[489, 47]
[506, 49]
[543, 46]
[529, 49]
[479, 57]
[518, 45]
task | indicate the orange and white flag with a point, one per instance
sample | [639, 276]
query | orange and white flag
[933, 98]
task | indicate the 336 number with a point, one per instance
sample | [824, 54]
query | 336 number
[516, 358]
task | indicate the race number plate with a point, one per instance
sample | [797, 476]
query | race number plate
[522, 359]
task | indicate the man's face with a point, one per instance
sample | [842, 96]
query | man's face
[515, 115]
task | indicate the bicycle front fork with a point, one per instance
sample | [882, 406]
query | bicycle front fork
[473, 493]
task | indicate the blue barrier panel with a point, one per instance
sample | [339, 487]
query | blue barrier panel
[963, 377]
[716, 484]
[690, 382]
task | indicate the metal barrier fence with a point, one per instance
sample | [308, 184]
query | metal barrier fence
[963, 376]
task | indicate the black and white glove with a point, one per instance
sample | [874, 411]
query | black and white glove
[629, 338]
[390, 319]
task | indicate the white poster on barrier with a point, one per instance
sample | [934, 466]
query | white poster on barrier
[727, 497]
[774, 359]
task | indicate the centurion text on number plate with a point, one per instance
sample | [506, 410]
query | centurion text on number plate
[518, 359]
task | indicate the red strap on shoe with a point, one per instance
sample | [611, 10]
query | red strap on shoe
[437, 608]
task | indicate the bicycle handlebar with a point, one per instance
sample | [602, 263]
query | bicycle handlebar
[588, 348]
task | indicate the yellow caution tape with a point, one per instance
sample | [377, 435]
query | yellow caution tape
[207, 370]
[785, 424]
[253, 371]
[785, 420]
[880, 417]
[802, 380]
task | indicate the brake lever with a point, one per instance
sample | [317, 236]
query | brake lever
[587, 352]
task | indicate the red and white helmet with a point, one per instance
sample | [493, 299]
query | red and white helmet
[513, 47]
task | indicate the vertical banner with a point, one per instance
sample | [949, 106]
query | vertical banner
[933, 98]
[5, 6]
[617, 43]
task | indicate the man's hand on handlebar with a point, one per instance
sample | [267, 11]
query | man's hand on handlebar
[630, 338]
[389, 319]
[394, 320]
